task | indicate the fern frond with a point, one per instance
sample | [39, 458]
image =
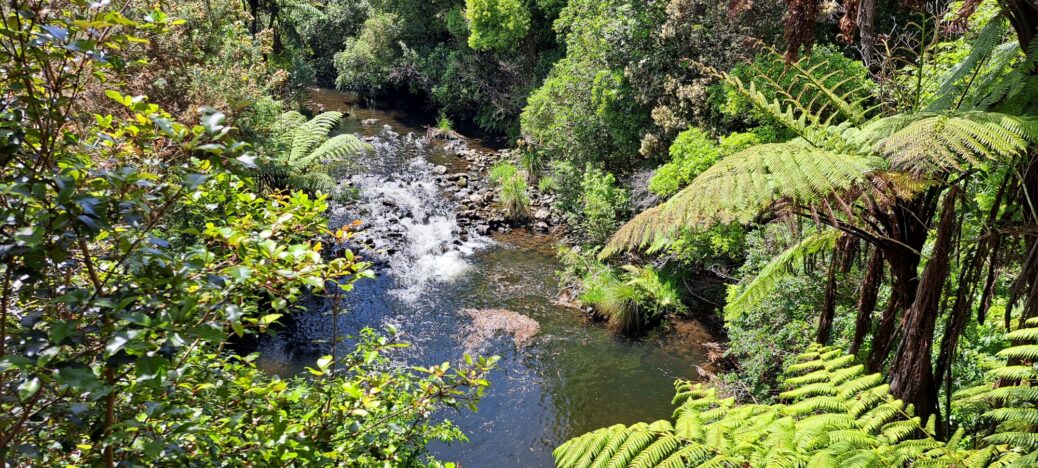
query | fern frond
[340, 148]
[284, 126]
[1025, 352]
[308, 135]
[1027, 440]
[954, 84]
[742, 186]
[777, 269]
[924, 144]
[1023, 334]
[1014, 373]
[1024, 415]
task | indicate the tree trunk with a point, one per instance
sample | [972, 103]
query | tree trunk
[907, 226]
[867, 297]
[911, 373]
[825, 321]
[1023, 16]
[866, 19]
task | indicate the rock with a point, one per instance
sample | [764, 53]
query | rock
[541, 226]
[488, 322]
[541, 214]
[440, 170]
[368, 122]
[475, 198]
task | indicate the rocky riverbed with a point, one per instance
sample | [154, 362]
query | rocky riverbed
[478, 197]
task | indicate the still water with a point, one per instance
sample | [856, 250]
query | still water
[571, 377]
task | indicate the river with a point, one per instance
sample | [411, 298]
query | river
[572, 377]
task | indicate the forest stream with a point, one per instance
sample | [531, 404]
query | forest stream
[449, 290]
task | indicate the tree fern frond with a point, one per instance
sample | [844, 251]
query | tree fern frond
[777, 269]
[842, 417]
[284, 126]
[859, 385]
[690, 455]
[1025, 415]
[1023, 334]
[954, 84]
[933, 143]
[741, 186]
[1014, 393]
[816, 389]
[340, 148]
[1014, 373]
[1028, 440]
[1026, 352]
[310, 134]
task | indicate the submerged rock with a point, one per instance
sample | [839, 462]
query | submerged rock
[487, 322]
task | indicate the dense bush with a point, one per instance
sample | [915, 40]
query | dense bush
[584, 111]
[496, 24]
[367, 60]
[134, 249]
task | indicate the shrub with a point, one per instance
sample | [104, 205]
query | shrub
[604, 205]
[692, 152]
[547, 184]
[367, 60]
[496, 24]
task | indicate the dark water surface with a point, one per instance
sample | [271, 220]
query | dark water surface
[571, 378]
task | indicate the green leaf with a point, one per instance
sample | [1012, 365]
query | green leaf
[28, 388]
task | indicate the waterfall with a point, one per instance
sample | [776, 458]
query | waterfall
[409, 228]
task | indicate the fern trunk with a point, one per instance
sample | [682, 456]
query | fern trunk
[1023, 15]
[867, 297]
[911, 376]
[825, 320]
[1029, 268]
[907, 227]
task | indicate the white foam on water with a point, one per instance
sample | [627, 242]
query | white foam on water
[412, 223]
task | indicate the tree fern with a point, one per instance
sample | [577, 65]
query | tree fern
[304, 152]
[835, 415]
[843, 152]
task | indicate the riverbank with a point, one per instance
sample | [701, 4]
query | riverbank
[450, 290]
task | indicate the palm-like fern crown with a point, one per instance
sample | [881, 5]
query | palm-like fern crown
[844, 155]
[305, 149]
[835, 415]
